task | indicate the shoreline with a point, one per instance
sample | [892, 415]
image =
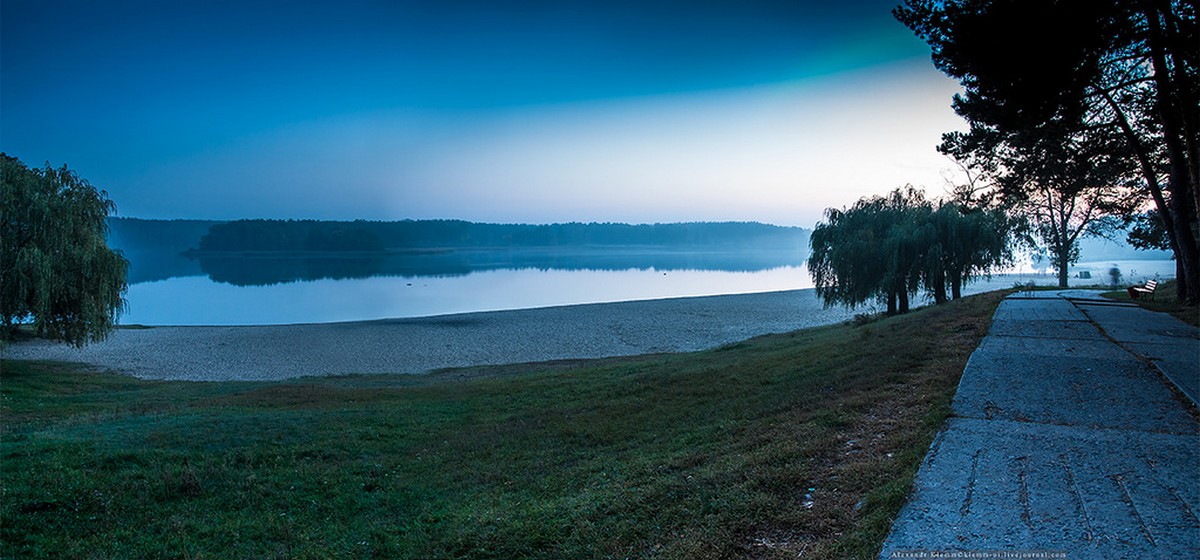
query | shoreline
[141, 326]
[424, 344]
[418, 345]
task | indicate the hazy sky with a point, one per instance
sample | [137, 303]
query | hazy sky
[487, 110]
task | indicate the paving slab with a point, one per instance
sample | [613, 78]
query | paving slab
[1047, 329]
[995, 485]
[1169, 344]
[1039, 309]
[1065, 441]
[1067, 382]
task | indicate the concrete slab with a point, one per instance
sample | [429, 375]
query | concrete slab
[1067, 293]
[1063, 347]
[1098, 391]
[1169, 344]
[1101, 301]
[1135, 324]
[990, 485]
[1037, 294]
[1047, 329]
[1041, 309]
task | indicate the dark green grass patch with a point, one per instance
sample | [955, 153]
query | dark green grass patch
[803, 442]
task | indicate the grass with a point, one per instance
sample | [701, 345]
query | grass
[1165, 300]
[799, 443]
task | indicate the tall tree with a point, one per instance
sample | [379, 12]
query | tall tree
[906, 245]
[874, 250]
[966, 242]
[1125, 69]
[55, 267]
[1062, 178]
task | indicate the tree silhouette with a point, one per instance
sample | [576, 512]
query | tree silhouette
[847, 262]
[1119, 75]
[888, 248]
[1063, 180]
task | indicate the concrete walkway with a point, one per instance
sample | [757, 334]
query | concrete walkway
[1068, 440]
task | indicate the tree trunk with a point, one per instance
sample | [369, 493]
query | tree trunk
[1063, 263]
[1173, 117]
[904, 301]
[956, 286]
[1165, 212]
[1187, 256]
[891, 303]
[939, 287]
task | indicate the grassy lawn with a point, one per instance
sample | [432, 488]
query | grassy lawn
[804, 442]
[1165, 300]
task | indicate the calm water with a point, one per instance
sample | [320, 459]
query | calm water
[241, 291]
[171, 290]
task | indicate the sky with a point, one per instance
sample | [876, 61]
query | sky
[532, 111]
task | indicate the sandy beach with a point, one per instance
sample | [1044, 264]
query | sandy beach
[423, 344]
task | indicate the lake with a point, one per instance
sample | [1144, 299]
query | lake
[172, 290]
[167, 289]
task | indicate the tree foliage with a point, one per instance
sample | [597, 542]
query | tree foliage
[1064, 181]
[55, 267]
[1085, 101]
[1148, 232]
[889, 248]
[966, 243]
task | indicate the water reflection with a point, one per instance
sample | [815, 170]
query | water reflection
[240, 291]
[267, 271]
[270, 270]
[153, 266]
[169, 289]
[198, 300]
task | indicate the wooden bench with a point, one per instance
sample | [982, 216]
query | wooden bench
[1136, 292]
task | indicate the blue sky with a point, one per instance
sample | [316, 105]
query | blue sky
[525, 110]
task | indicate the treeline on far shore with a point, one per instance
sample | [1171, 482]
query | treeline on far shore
[373, 236]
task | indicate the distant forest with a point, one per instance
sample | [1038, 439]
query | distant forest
[370, 236]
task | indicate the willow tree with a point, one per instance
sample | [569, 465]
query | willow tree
[888, 248]
[846, 260]
[965, 243]
[905, 247]
[56, 270]
[871, 251]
